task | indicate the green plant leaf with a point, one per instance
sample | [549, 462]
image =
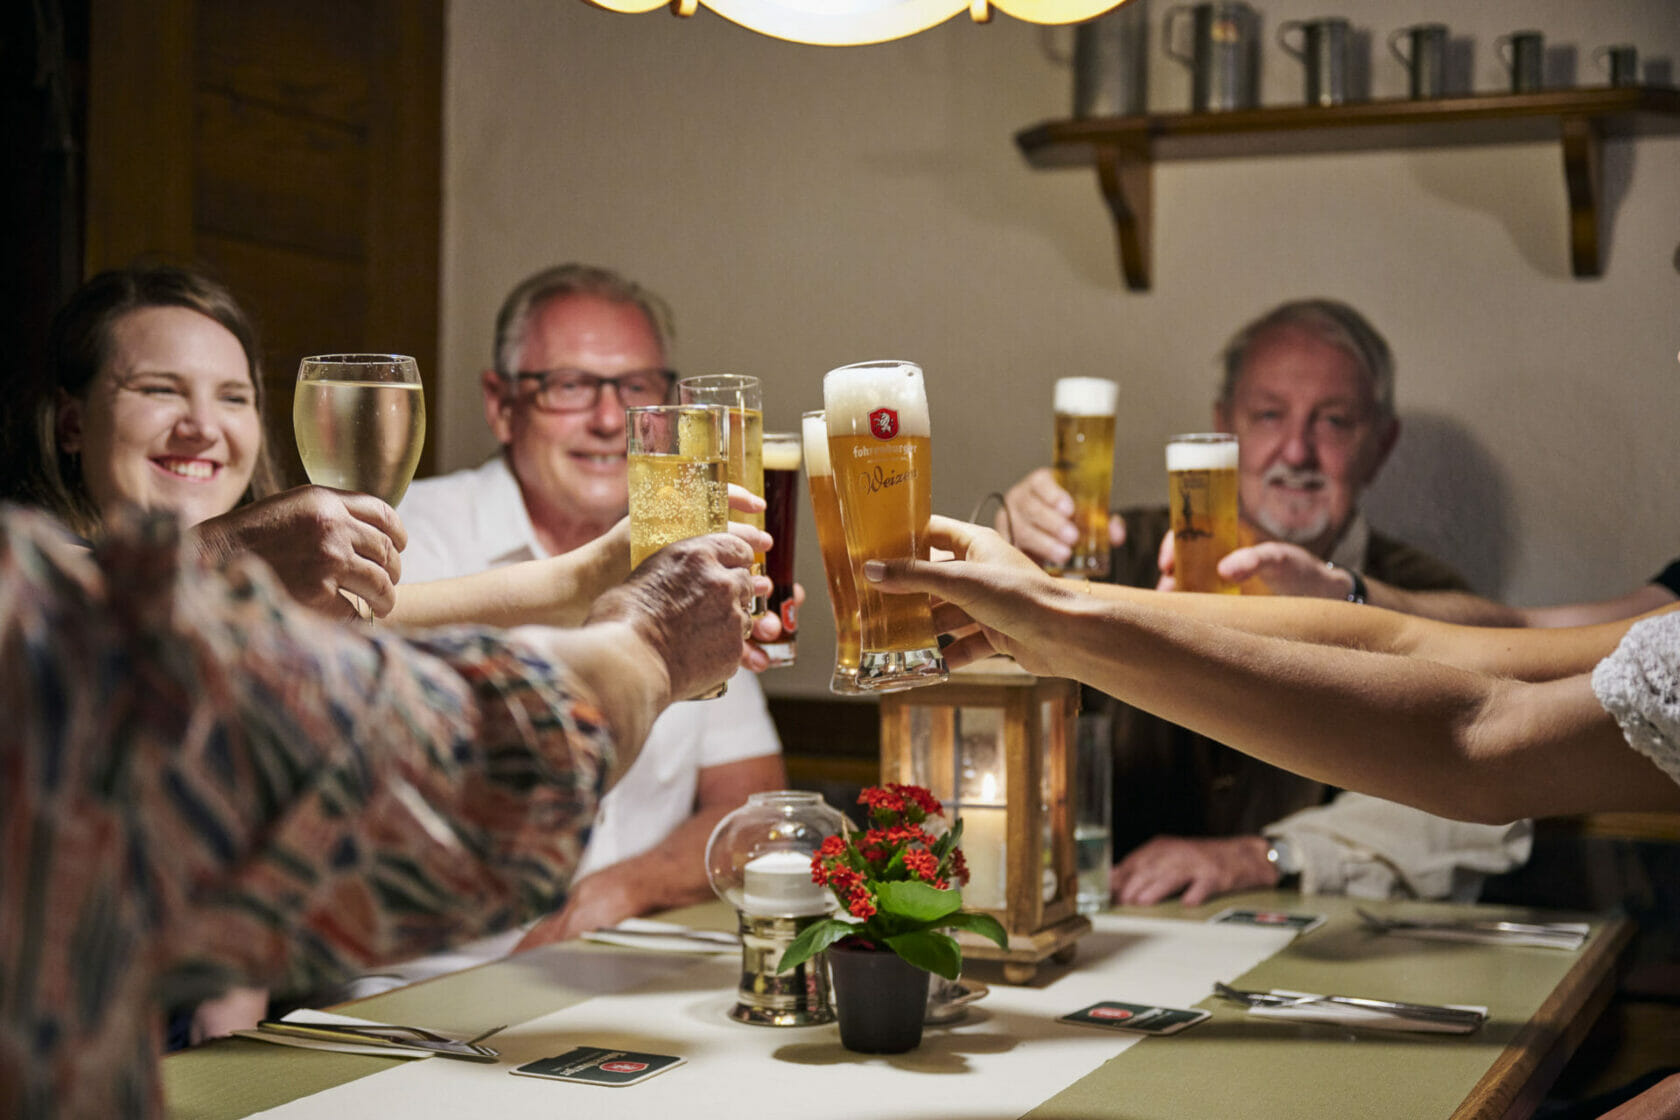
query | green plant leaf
[917, 901]
[931, 950]
[983, 924]
[814, 939]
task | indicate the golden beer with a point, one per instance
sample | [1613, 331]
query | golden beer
[1084, 466]
[831, 542]
[743, 397]
[1202, 487]
[880, 447]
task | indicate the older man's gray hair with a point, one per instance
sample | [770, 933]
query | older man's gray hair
[569, 280]
[1329, 320]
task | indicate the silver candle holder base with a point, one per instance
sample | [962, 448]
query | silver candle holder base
[767, 998]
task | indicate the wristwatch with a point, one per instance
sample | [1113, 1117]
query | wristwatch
[1280, 854]
[1358, 592]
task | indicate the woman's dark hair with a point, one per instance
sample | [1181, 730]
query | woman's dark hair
[35, 471]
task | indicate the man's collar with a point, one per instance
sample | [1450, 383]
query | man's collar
[1350, 551]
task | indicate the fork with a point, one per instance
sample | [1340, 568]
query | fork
[1426, 1011]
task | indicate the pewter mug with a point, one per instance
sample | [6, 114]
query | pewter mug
[1624, 63]
[1525, 59]
[1324, 52]
[1111, 63]
[1426, 63]
[1224, 55]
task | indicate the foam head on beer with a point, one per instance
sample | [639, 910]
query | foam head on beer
[816, 444]
[853, 394]
[1201, 454]
[1086, 396]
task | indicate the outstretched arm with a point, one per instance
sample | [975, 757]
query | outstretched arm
[1456, 741]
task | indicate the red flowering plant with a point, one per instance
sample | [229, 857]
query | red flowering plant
[898, 884]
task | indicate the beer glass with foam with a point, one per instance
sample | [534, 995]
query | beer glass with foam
[678, 483]
[880, 446]
[744, 398]
[831, 543]
[781, 519]
[1084, 466]
[1202, 487]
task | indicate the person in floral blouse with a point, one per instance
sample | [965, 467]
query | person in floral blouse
[199, 778]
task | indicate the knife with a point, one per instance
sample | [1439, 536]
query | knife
[397, 1038]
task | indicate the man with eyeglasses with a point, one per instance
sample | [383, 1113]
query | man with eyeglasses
[575, 346]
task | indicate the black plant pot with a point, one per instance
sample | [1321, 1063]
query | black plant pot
[880, 1000]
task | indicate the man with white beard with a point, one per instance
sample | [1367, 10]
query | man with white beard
[1308, 390]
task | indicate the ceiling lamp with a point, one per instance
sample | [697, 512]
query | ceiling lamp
[840, 23]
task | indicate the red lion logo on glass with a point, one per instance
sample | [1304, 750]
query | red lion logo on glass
[883, 423]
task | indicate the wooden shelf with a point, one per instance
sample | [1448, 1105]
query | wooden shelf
[1124, 150]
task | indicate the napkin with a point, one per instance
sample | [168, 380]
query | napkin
[309, 1015]
[664, 937]
[1350, 1015]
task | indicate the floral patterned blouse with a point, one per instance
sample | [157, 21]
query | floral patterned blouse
[202, 782]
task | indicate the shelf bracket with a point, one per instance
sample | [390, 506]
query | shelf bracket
[1583, 178]
[1126, 175]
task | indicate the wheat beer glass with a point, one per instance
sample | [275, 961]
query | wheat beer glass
[781, 519]
[880, 445]
[831, 542]
[678, 488]
[1202, 487]
[744, 399]
[1084, 467]
[360, 421]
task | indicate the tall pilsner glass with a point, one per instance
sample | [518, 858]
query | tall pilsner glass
[880, 444]
[831, 542]
[744, 398]
[678, 486]
[360, 421]
[781, 518]
[1202, 487]
[1084, 467]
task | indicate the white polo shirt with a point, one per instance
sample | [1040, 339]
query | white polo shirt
[472, 520]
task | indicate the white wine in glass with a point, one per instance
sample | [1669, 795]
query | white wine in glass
[360, 421]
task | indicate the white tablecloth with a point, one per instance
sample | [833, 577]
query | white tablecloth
[1006, 1057]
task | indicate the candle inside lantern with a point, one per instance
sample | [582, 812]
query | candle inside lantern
[780, 883]
[985, 848]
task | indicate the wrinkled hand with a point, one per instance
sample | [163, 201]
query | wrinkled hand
[594, 902]
[990, 584]
[1201, 867]
[319, 541]
[1286, 569]
[689, 603]
[1040, 519]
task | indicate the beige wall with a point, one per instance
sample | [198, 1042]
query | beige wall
[803, 207]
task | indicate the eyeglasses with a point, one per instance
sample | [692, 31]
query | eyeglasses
[573, 390]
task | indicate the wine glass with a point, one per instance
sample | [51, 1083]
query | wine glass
[360, 421]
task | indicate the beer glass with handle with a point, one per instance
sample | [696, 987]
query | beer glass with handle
[1202, 487]
[678, 484]
[744, 398]
[831, 542]
[880, 446]
[360, 422]
[781, 519]
[1084, 466]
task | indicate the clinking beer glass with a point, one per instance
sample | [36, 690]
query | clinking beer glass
[1084, 466]
[1202, 489]
[831, 542]
[781, 519]
[880, 445]
[743, 397]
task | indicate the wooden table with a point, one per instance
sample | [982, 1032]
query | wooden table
[1541, 1004]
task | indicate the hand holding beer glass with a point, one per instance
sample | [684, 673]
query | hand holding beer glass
[781, 518]
[1084, 466]
[837, 565]
[678, 487]
[1202, 489]
[743, 397]
[880, 445]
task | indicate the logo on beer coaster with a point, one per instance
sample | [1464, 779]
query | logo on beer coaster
[883, 422]
[624, 1067]
[1110, 1013]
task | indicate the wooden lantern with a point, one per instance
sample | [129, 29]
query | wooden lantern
[995, 744]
